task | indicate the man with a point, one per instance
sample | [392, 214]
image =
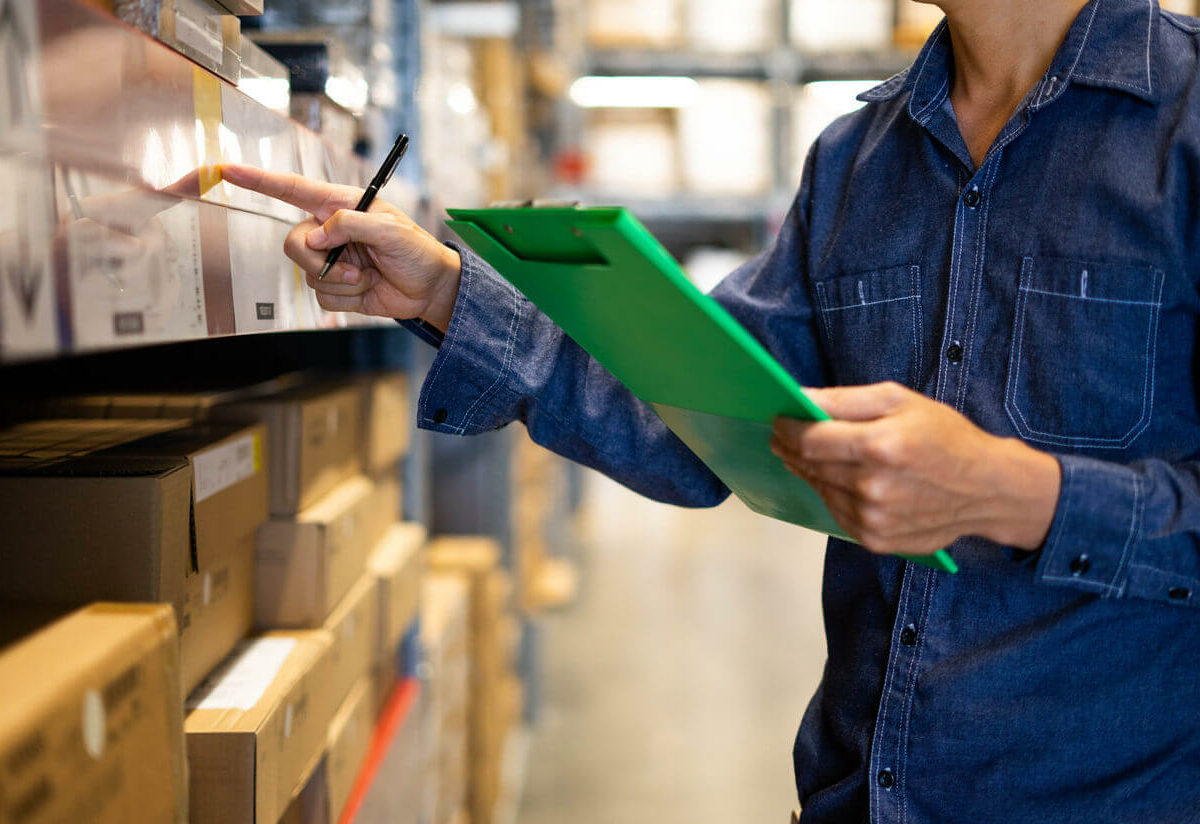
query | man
[995, 262]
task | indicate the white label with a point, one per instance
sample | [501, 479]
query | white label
[287, 721]
[246, 674]
[93, 724]
[223, 466]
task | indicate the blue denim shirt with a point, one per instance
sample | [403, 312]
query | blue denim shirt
[1049, 294]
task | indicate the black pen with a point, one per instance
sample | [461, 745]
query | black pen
[378, 182]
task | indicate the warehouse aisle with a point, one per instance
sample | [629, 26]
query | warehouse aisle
[674, 686]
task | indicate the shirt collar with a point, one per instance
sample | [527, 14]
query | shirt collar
[1110, 45]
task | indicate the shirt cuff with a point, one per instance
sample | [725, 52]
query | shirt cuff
[466, 389]
[1097, 528]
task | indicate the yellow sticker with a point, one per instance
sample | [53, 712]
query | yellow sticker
[258, 462]
[206, 94]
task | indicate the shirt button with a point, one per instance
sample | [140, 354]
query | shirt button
[440, 416]
[886, 779]
[908, 635]
[1080, 566]
[972, 198]
[1179, 593]
[954, 353]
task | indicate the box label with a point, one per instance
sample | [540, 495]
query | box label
[223, 466]
[240, 682]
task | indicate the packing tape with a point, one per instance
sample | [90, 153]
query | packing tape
[206, 95]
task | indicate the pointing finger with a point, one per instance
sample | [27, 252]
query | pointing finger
[313, 196]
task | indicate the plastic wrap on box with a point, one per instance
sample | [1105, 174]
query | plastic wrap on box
[201, 29]
[337, 125]
[264, 78]
[28, 323]
[319, 61]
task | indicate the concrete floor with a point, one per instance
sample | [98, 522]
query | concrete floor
[674, 686]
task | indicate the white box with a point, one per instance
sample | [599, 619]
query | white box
[724, 139]
[633, 154]
[711, 26]
[847, 25]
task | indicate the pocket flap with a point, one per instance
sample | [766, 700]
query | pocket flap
[868, 288]
[1087, 280]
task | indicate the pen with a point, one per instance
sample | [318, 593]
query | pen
[378, 182]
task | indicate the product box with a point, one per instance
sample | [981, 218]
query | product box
[396, 565]
[307, 563]
[311, 804]
[386, 509]
[203, 30]
[353, 626]
[91, 725]
[387, 421]
[314, 440]
[264, 78]
[107, 510]
[445, 618]
[256, 728]
[348, 742]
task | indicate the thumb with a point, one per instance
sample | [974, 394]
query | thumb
[859, 403]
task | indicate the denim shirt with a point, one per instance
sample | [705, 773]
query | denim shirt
[1049, 294]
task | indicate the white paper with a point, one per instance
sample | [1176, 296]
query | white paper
[223, 466]
[245, 676]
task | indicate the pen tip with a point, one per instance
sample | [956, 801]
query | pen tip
[324, 271]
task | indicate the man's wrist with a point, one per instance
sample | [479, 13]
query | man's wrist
[441, 307]
[1028, 486]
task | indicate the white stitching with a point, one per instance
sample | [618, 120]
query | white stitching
[980, 256]
[1091, 299]
[918, 337]
[1149, 38]
[509, 349]
[868, 303]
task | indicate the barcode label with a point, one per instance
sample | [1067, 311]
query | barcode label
[223, 466]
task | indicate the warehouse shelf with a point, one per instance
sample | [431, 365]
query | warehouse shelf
[789, 65]
[121, 233]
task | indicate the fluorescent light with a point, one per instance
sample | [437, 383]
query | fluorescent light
[634, 92]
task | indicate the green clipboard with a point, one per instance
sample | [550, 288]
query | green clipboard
[679, 350]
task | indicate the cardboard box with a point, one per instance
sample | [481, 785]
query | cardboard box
[445, 618]
[387, 421]
[91, 725]
[165, 518]
[313, 440]
[311, 805]
[353, 626]
[386, 509]
[256, 728]
[396, 565]
[348, 742]
[308, 563]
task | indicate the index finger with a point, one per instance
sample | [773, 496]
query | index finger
[314, 196]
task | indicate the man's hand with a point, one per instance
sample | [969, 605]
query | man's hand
[392, 266]
[903, 473]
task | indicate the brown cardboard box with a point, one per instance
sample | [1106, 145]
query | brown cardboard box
[165, 518]
[352, 626]
[348, 742]
[91, 727]
[445, 618]
[201, 29]
[256, 728]
[314, 440]
[307, 563]
[311, 804]
[386, 509]
[387, 421]
[396, 565]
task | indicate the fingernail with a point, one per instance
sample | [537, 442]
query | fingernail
[352, 276]
[316, 238]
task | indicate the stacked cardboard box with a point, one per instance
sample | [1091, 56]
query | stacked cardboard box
[445, 623]
[396, 566]
[97, 735]
[153, 511]
[257, 728]
[539, 483]
[491, 645]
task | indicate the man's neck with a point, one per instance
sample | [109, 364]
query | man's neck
[1001, 49]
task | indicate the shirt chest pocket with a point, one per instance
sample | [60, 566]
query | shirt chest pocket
[1081, 366]
[872, 325]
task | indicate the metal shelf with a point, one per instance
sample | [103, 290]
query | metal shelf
[121, 233]
[786, 64]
